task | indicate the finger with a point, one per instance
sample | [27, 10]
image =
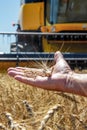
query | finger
[56, 82]
[22, 68]
[60, 59]
[13, 73]
[11, 68]
[61, 65]
[40, 82]
[17, 68]
[58, 55]
[14, 69]
[26, 69]
[29, 72]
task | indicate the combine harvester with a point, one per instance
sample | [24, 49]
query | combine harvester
[46, 26]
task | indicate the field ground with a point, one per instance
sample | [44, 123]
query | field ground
[23, 107]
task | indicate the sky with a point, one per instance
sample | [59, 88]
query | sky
[9, 12]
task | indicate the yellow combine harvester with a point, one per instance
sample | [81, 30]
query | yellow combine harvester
[53, 16]
[46, 26]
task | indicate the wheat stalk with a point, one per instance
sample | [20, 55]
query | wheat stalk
[48, 115]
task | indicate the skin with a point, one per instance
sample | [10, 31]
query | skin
[62, 78]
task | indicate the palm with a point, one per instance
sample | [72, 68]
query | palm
[56, 81]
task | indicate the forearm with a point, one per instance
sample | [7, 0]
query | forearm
[77, 84]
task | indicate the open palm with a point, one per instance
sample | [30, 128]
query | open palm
[56, 81]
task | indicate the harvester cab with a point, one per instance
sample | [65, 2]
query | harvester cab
[67, 17]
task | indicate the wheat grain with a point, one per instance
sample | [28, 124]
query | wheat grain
[33, 72]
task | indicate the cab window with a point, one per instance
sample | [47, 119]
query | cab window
[63, 11]
[29, 1]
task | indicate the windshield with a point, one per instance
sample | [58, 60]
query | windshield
[29, 1]
[63, 11]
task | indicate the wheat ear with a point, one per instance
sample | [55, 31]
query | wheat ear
[12, 124]
[29, 108]
[49, 115]
[2, 127]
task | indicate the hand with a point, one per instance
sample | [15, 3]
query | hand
[36, 77]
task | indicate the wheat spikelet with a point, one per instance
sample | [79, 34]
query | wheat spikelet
[49, 115]
[13, 124]
[29, 108]
[10, 120]
[2, 127]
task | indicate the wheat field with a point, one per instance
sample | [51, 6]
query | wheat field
[23, 107]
